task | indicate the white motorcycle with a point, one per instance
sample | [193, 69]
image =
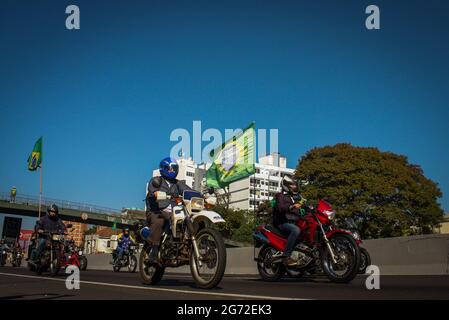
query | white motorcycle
[187, 239]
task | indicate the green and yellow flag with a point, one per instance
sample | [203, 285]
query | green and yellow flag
[35, 158]
[234, 160]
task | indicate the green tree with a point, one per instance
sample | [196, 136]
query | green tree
[386, 194]
[239, 224]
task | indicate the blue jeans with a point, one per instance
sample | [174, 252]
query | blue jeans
[40, 248]
[120, 251]
[293, 233]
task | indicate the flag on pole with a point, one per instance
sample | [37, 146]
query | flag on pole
[234, 160]
[35, 158]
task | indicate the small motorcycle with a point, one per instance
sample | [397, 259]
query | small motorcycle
[349, 225]
[320, 246]
[16, 258]
[3, 256]
[128, 260]
[187, 239]
[75, 256]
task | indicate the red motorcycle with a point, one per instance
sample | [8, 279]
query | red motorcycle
[74, 257]
[320, 246]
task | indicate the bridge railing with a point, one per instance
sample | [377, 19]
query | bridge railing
[62, 204]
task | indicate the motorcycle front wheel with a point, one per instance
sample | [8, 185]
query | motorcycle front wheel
[150, 274]
[116, 267]
[347, 254]
[54, 267]
[31, 267]
[212, 252]
[83, 263]
[132, 265]
[268, 270]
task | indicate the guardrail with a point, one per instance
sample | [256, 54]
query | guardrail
[62, 204]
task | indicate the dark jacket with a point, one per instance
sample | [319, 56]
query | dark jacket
[282, 211]
[51, 225]
[173, 188]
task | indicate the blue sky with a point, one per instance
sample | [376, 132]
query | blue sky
[106, 97]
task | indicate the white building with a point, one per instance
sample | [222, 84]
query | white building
[269, 172]
[94, 243]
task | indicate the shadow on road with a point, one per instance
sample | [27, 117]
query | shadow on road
[46, 296]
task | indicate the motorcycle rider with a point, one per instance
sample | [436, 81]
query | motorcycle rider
[286, 212]
[124, 241]
[159, 212]
[51, 222]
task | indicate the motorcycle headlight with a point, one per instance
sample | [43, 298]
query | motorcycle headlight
[80, 253]
[197, 204]
[56, 237]
[330, 214]
[356, 235]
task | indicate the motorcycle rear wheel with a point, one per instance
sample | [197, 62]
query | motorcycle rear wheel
[269, 271]
[152, 274]
[339, 243]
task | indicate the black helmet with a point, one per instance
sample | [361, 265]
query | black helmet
[54, 208]
[290, 185]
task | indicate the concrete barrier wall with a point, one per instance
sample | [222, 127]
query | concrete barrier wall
[427, 254]
[396, 256]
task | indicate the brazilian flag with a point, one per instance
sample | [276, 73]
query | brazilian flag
[35, 158]
[234, 160]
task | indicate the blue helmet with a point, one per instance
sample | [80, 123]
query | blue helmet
[168, 168]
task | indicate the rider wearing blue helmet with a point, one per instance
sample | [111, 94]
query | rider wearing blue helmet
[159, 210]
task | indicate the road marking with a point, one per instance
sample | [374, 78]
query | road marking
[231, 295]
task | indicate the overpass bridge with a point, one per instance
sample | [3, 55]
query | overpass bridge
[26, 205]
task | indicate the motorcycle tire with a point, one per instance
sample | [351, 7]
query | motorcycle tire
[133, 265]
[365, 260]
[54, 267]
[278, 269]
[116, 268]
[31, 267]
[326, 260]
[39, 270]
[83, 263]
[220, 255]
[150, 275]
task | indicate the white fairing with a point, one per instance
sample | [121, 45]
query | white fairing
[212, 216]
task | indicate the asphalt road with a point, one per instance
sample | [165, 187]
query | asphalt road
[19, 283]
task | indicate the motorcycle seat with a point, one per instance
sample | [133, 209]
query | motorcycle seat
[275, 230]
